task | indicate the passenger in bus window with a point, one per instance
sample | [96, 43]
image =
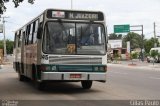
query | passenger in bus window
[71, 39]
[91, 39]
[52, 44]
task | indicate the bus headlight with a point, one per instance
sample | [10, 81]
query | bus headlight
[104, 68]
[100, 68]
[45, 68]
[54, 68]
[95, 68]
[48, 68]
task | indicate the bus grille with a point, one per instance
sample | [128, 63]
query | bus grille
[74, 60]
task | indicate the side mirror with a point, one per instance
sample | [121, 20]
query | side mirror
[39, 33]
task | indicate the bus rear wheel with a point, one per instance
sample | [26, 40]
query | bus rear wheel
[86, 84]
[21, 77]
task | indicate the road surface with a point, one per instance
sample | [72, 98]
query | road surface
[123, 83]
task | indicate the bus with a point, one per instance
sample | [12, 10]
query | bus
[62, 46]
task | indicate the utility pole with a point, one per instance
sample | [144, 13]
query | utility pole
[4, 40]
[142, 38]
[142, 50]
[71, 4]
[154, 27]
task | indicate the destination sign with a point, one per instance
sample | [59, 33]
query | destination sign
[75, 15]
[83, 16]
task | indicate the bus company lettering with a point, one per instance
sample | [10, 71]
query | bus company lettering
[83, 16]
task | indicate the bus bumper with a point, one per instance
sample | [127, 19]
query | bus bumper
[68, 76]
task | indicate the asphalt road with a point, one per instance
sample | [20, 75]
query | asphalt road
[123, 83]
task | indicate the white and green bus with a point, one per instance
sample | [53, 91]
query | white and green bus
[62, 45]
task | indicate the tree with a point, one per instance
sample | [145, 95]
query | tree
[117, 56]
[16, 3]
[134, 55]
[135, 40]
[153, 54]
[9, 46]
[114, 36]
[149, 43]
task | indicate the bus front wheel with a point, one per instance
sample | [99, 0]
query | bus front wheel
[40, 85]
[86, 84]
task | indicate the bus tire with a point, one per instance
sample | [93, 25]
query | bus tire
[21, 77]
[34, 72]
[86, 84]
[40, 85]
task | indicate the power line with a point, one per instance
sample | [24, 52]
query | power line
[148, 33]
[12, 22]
[157, 25]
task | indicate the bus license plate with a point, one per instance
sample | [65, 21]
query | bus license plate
[75, 75]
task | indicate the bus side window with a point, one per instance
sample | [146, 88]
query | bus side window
[15, 40]
[35, 31]
[27, 35]
[30, 34]
[19, 35]
[20, 38]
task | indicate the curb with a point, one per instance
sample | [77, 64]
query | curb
[132, 64]
[136, 66]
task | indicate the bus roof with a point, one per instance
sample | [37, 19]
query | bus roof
[70, 15]
[75, 14]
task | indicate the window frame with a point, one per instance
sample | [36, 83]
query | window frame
[105, 51]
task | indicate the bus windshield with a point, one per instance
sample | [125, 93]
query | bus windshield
[74, 38]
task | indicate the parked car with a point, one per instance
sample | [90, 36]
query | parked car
[151, 59]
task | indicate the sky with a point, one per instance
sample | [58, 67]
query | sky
[117, 12]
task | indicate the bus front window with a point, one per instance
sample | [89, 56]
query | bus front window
[90, 39]
[73, 38]
[57, 36]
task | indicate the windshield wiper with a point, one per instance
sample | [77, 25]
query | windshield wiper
[62, 26]
[82, 34]
[88, 26]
